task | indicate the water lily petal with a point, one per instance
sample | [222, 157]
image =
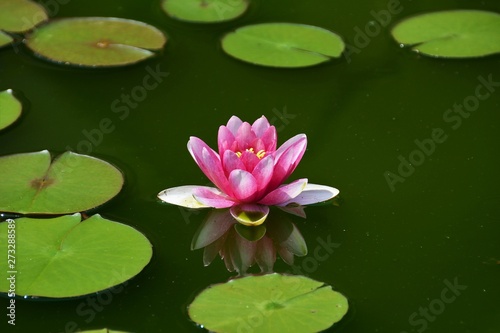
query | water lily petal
[286, 161]
[289, 143]
[233, 124]
[260, 126]
[231, 161]
[224, 139]
[181, 196]
[270, 139]
[209, 162]
[245, 136]
[284, 193]
[250, 214]
[212, 197]
[263, 173]
[243, 185]
[250, 160]
[312, 194]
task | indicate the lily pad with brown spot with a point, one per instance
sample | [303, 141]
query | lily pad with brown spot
[33, 183]
[96, 41]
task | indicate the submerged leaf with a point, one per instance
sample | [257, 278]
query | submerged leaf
[33, 184]
[268, 303]
[20, 15]
[10, 108]
[63, 257]
[96, 41]
[283, 44]
[204, 11]
[454, 34]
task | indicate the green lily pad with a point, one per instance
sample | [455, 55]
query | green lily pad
[453, 34]
[269, 303]
[96, 41]
[33, 184]
[5, 39]
[20, 15]
[104, 330]
[204, 11]
[63, 257]
[10, 108]
[283, 45]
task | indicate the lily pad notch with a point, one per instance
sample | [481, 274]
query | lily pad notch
[286, 45]
[33, 183]
[451, 34]
[96, 41]
[267, 304]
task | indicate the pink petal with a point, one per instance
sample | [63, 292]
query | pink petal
[245, 136]
[224, 139]
[231, 161]
[286, 161]
[250, 160]
[270, 139]
[260, 126]
[266, 254]
[294, 210]
[209, 162]
[212, 197]
[312, 194]
[233, 124]
[284, 193]
[263, 173]
[289, 143]
[243, 185]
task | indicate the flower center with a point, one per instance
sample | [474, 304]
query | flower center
[260, 154]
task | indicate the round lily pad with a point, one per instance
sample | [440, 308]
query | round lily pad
[5, 39]
[269, 303]
[104, 330]
[20, 15]
[96, 41]
[204, 11]
[63, 257]
[33, 183]
[453, 34]
[10, 108]
[283, 44]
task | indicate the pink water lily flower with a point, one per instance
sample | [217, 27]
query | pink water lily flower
[248, 173]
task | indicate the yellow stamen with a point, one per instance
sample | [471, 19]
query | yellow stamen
[260, 154]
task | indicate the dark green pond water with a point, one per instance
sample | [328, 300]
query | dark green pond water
[419, 255]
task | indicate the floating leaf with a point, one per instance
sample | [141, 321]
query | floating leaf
[63, 257]
[33, 184]
[268, 303]
[104, 330]
[283, 44]
[204, 11]
[10, 108]
[454, 34]
[20, 15]
[96, 41]
[5, 39]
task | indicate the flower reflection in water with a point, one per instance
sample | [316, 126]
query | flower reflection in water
[242, 246]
